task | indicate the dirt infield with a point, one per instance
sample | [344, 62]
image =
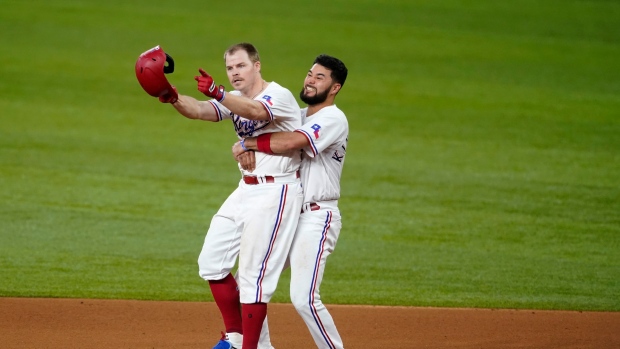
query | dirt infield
[86, 323]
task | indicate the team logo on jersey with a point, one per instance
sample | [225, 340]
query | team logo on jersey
[268, 100]
[316, 128]
[246, 128]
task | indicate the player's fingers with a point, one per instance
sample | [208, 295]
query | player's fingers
[235, 150]
[252, 160]
[247, 163]
[244, 163]
[202, 72]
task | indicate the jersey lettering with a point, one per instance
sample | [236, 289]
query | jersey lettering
[246, 128]
[316, 128]
[337, 156]
[268, 100]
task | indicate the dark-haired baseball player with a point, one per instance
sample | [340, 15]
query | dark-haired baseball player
[323, 142]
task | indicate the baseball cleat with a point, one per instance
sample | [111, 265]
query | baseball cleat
[226, 343]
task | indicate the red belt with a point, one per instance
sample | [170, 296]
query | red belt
[311, 207]
[254, 180]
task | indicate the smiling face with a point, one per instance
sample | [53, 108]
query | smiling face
[318, 86]
[242, 72]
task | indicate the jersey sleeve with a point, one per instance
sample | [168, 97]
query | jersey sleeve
[221, 111]
[281, 105]
[324, 131]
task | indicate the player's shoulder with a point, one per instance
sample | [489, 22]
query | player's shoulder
[277, 94]
[332, 111]
[275, 87]
[330, 117]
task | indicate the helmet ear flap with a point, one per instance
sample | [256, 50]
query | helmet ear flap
[168, 69]
[150, 70]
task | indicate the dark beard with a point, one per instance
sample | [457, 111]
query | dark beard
[317, 99]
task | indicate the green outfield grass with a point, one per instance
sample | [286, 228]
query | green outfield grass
[483, 167]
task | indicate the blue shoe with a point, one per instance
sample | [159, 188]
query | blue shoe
[225, 342]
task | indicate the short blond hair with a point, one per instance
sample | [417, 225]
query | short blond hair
[247, 47]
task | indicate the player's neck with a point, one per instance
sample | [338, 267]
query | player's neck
[312, 109]
[256, 89]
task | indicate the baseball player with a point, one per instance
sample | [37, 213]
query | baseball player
[258, 220]
[323, 142]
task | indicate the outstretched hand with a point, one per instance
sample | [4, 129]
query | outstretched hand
[207, 86]
[170, 97]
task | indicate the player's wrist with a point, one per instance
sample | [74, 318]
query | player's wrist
[242, 143]
[221, 94]
[250, 143]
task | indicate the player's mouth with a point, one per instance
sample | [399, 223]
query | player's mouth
[309, 89]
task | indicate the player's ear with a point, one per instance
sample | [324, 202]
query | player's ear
[335, 88]
[257, 65]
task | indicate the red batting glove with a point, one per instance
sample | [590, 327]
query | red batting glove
[170, 97]
[207, 86]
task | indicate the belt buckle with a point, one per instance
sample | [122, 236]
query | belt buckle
[312, 206]
[265, 179]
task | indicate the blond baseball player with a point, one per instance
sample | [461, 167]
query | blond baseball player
[258, 220]
[323, 142]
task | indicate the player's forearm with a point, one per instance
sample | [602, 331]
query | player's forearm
[279, 143]
[248, 108]
[191, 108]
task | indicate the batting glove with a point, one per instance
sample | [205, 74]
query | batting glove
[207, 86]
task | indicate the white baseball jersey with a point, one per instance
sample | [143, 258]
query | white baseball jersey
[277, 101]
[257, 222]
[327, 131]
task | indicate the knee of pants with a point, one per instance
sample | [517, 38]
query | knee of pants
[301, 301]
[220, 249]
[211, 269]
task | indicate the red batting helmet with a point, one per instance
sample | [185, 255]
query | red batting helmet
[150, 70]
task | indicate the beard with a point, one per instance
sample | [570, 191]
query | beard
[316, 99]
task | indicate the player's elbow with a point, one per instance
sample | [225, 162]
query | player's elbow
[257, 112]
[290, 145]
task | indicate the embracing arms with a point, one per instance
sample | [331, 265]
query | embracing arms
[269, 143]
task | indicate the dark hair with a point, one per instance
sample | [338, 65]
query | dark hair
[247, 47]
[339, 70]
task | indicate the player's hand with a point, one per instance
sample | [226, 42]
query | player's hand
[245, 158]
[207, 86]
[237, 149]
[170, 97]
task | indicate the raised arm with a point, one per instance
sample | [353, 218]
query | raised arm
[249, 108]
[190, 107]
